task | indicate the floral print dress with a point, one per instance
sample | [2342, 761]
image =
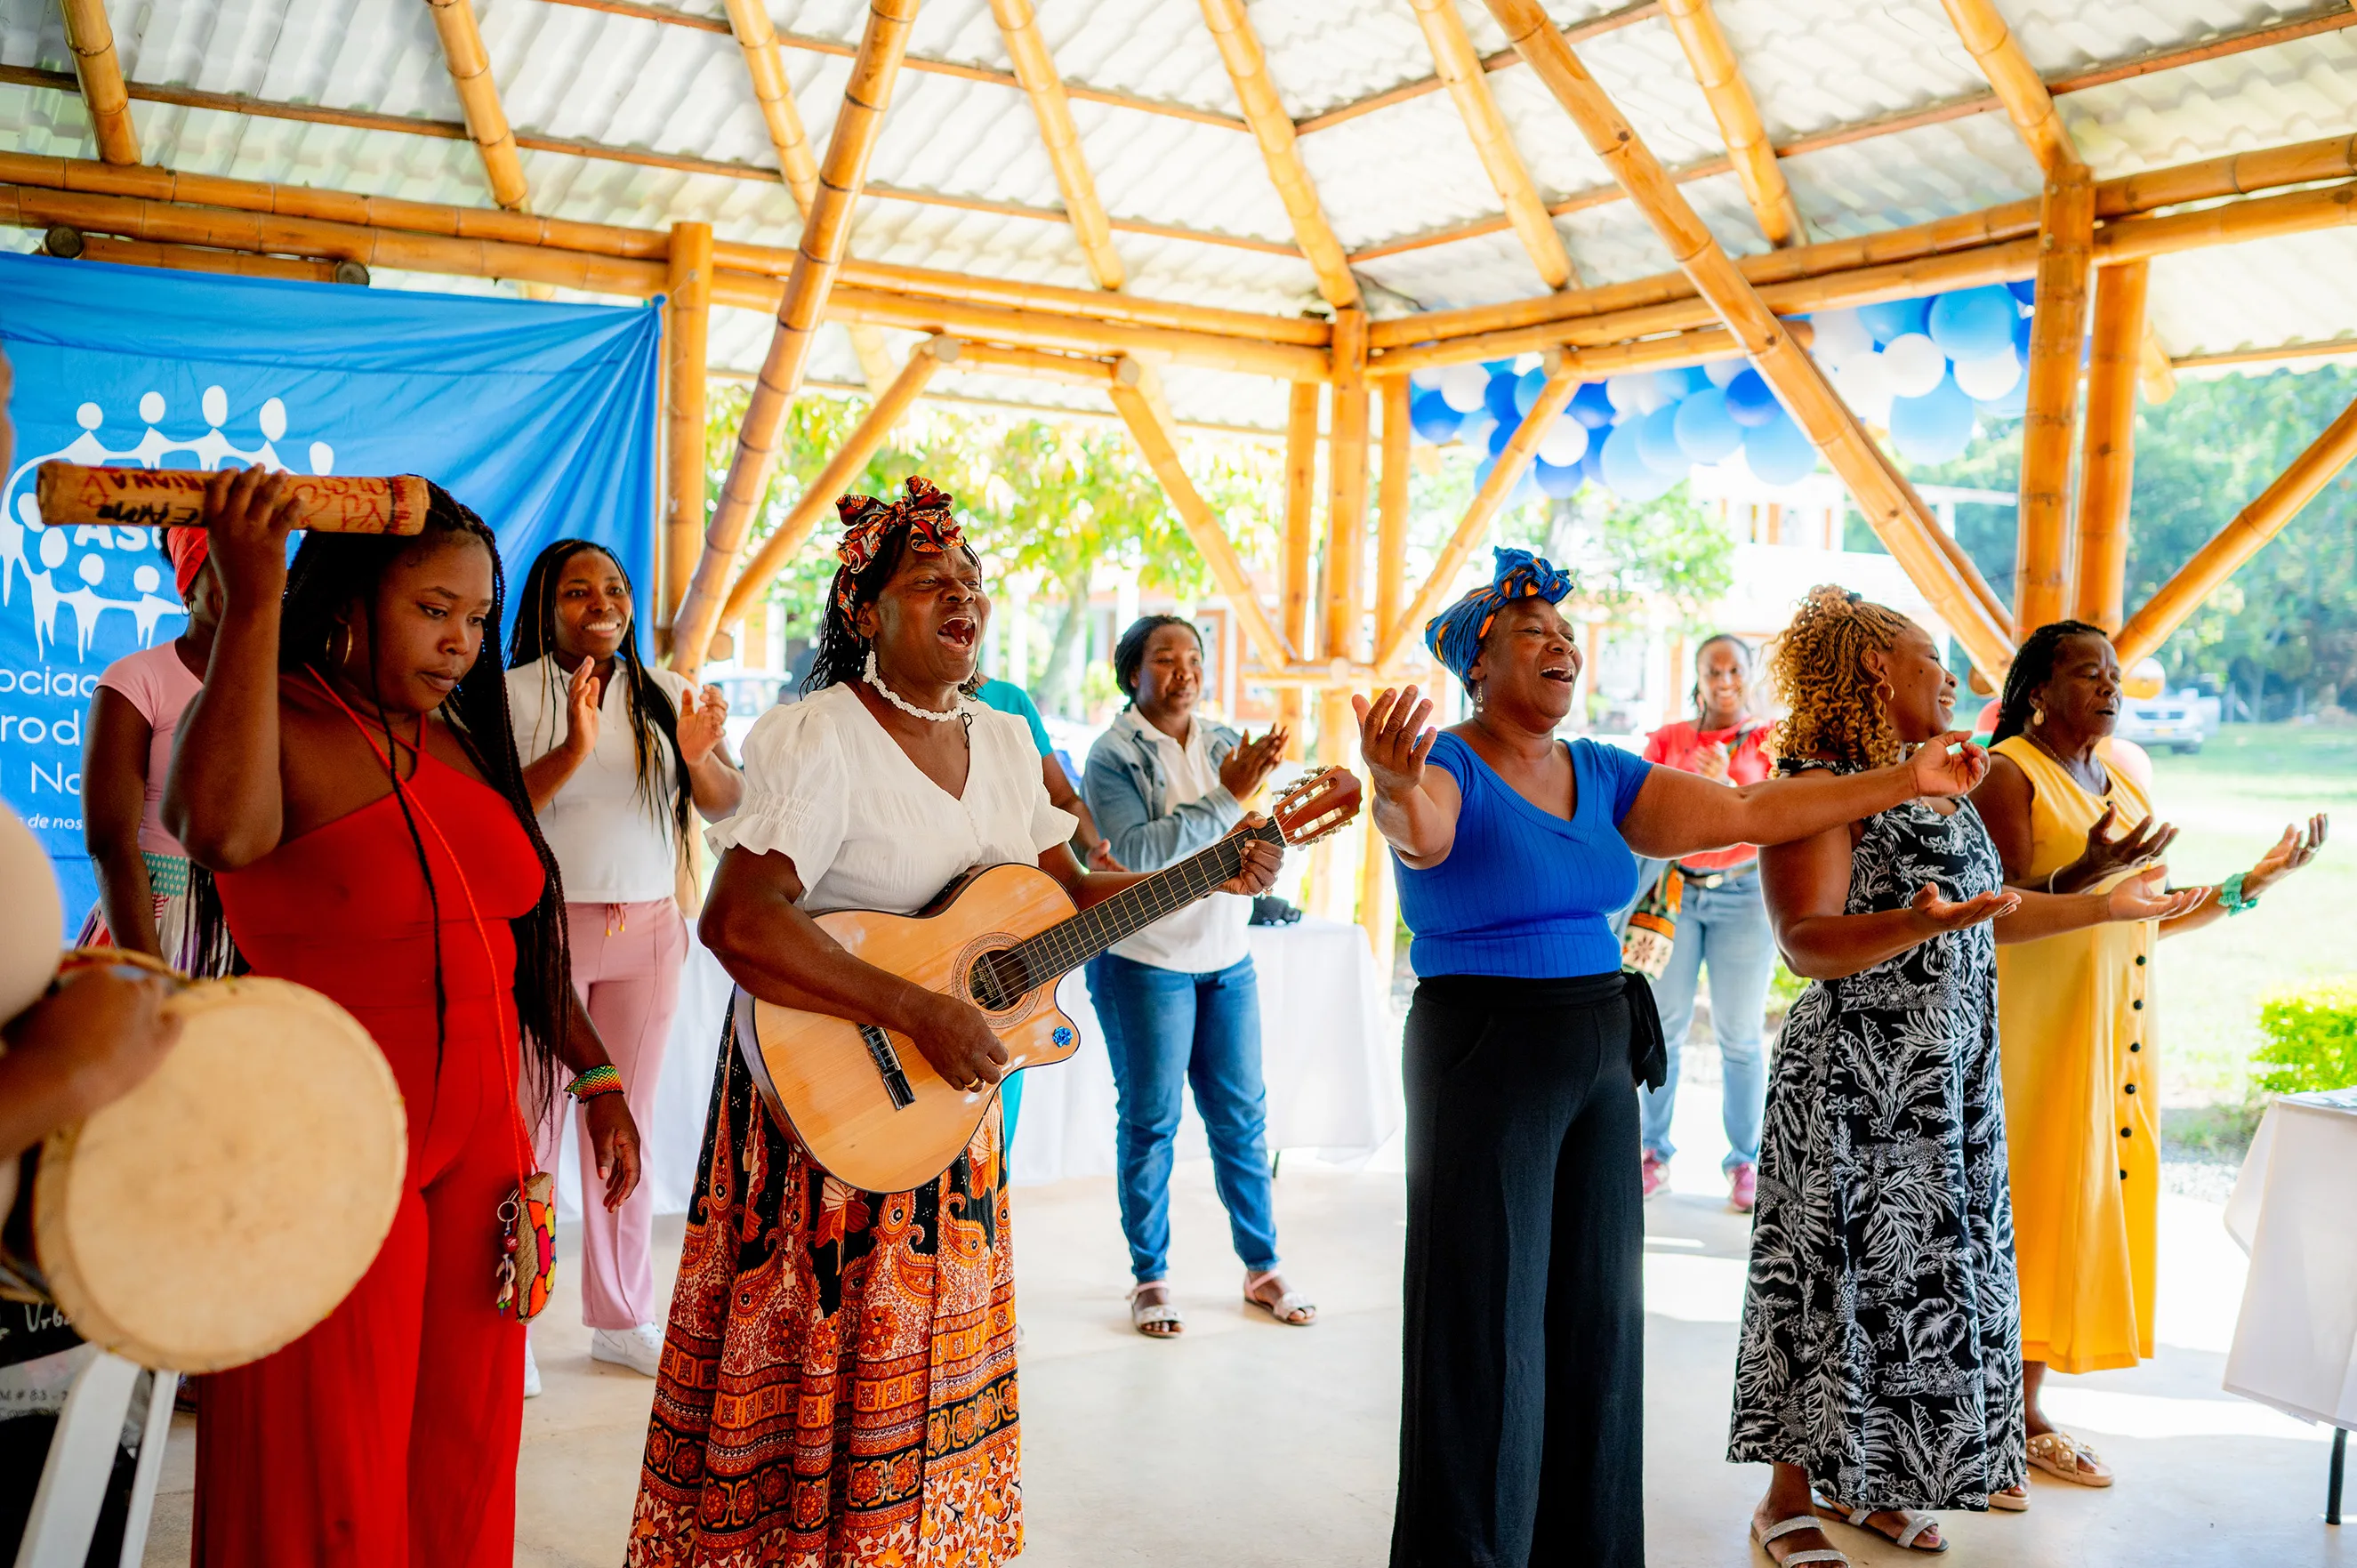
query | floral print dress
[1882, 1340]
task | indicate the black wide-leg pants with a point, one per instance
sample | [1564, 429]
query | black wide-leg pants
[1521, 1432]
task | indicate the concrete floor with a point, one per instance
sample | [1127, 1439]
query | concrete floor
[1247, 1444]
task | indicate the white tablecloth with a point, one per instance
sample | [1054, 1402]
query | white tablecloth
[2295, 1340]
[1329, 1055]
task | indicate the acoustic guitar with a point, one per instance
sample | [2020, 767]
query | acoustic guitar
[866, 1103]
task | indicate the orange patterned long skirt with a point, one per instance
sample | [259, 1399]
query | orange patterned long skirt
[838, 1377]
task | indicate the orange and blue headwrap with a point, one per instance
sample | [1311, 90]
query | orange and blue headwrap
[1455, 634]
[928, 514]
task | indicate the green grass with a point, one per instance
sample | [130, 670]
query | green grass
[2230, 801]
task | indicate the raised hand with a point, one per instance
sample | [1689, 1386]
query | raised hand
[2142, 897]
[1257, 874]
[1939, 771]
[1249, 763]
[1393, 739]
[2142, 846]
[1938, 915]
[2291, 852]
[703, 723]
[249, 512]
[1712, 760]
[581, 699]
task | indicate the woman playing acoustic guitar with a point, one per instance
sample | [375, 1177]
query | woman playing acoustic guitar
[838, 1380]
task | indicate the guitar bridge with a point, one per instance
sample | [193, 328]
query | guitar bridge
[888, 1065]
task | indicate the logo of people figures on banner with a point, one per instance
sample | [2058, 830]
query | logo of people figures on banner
[90, 571]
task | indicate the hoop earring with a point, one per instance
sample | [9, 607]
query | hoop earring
[343, 646]
[1883, 689]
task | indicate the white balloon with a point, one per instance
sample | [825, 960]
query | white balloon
[1525, 363]
[1912, 364]
[1840, 336]
[1463, 387]
[1565, 443]
[1866, 387]
[1984, 380]
[1722, 371]
[1627, 392]
[1424, 381]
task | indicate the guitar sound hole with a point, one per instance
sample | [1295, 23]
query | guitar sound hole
[996, 981]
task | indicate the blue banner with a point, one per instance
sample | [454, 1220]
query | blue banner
[539, 417]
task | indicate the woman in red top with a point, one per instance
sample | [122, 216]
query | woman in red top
[348, 775]
[1722, 925]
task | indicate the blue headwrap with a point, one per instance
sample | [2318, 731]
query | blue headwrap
[1455, 634]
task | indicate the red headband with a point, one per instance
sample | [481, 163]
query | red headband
[187, 547]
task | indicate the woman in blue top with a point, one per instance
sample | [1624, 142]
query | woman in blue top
[1520, 1428]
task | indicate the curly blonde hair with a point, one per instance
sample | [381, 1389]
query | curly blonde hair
[1816, 667]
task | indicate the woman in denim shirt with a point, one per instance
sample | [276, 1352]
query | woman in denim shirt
[1178, 1001]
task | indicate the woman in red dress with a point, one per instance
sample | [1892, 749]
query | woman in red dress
[350, 777]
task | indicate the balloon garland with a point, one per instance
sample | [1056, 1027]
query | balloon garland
[1927, 371]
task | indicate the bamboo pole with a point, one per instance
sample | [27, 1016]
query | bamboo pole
[479, 97]
[2233, 223]
[2107, 465]
[688, 317]
[2239, 540]
[825, 237]
[1459, 66]
[991, 358]
[232, 263]
[1239, 51]
[1034, 67]
[756, 37]
[1134, 393]
[1390, 505]
[2016, 81]
[1896, 512]
[2042, 579]
[92, 38]
[1713, 61]
[1296, 578]
[1333, 881]
[1521, 447]
[1406, 92]
[818, 496]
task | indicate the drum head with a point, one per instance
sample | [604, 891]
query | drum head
[32, 925]
[232, 1201]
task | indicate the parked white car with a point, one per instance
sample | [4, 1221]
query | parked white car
[2180, 721]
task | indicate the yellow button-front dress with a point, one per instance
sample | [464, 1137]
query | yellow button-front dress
[2083, 1131]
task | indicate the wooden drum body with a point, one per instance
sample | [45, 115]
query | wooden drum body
[232, 1201]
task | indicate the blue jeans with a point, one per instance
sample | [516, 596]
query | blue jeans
[1725, 928]
[1165, 1030]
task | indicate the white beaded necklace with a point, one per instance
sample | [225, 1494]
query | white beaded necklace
[955, 710]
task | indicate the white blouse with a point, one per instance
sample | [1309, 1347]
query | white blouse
[828, 787]
[614, 843]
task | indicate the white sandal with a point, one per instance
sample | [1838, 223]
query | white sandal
[1150, 1317]
[1784, 1527]
[1912, 1524]
[2066, 1459]
[1292, 1308]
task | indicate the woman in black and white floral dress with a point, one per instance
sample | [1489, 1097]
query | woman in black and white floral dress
[1880, 1355]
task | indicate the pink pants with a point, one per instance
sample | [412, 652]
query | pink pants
[626, 960]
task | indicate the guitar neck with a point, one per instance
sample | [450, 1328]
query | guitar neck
[1068, 944]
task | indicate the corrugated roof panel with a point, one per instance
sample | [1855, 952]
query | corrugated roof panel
[1323, 54]
[2291, 92]
[1911, 176]
[2062, 37]
[1815, 66]
[2301, 288]
[1401, 170]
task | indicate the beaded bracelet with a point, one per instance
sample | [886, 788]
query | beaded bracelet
[2229, 896]
[603, 1079]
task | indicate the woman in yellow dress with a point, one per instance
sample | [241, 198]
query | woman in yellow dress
[2076, 1019]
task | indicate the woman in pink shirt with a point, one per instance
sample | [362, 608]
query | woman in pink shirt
[146, 887]
[1722, 925]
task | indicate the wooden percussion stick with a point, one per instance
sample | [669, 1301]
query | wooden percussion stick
[70, 494]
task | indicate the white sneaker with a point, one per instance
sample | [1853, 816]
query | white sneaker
[531, 1373]
[640, 1349]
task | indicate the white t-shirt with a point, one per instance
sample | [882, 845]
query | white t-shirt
[1209, 936]
[614, 845]
[827, 787]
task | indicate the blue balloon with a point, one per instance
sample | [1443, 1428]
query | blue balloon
[1558, 482]
[1526, 390]
[1706, 433]
[1499, 367]
[1499, 397]
[1677, 384]
[1500, 434]
[2021, 338]
[1935, 427]
[1625, 471]
[1592, 406]
[1974, 323]
[1591, 464]
[1432, 417]
[1481, 471]
[1749, 402]
[2025, 290]
[1657, 442]
[1893, 319]
[1475, 431]
[1779, 451]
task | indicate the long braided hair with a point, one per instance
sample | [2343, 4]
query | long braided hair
[2033, 666]
[653, 717]
[334, 572]
[1817, 668]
